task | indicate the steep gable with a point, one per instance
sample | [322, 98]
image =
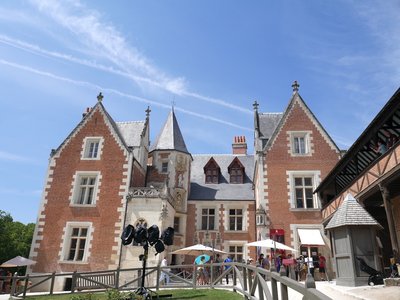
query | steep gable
[98, 108]
[299, 107]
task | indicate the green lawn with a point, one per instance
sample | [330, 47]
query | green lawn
[198, 294]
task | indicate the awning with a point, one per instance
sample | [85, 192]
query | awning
[310, 237]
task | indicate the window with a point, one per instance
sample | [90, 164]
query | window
[260, 219]
[236, 252]
[236, 171]
[300, 143]
[236, 219]
[302, 185]
[236, 176]
[85, 190]
[176, 224]
[212, 175]
[92, 147]
[304, 192]
[164, 167]
[207, 218]
[212, 171]
[76, 242]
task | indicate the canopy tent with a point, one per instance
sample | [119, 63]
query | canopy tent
[17, 261]
[198, 250]
[268, 243]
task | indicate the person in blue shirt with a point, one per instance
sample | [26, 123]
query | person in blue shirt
[227, 260]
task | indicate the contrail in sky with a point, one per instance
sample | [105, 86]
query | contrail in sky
[116, 92]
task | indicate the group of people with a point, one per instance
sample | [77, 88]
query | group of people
[295, 268]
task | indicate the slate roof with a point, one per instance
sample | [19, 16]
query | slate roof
[351, 213]
[131, 132]
[170, 136]
[268, 123]
[199, 190]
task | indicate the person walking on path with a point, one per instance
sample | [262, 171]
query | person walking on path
[227, 260]
[164, 277]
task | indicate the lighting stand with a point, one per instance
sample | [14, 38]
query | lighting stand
[142, 290]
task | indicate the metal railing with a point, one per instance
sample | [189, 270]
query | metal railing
[250, 281]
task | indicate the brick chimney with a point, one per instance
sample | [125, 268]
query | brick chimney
[239, 145]
[88, 109]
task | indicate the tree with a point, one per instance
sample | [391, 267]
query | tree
[15, 237]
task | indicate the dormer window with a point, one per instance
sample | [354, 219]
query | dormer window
[211, 171]
[236, 171]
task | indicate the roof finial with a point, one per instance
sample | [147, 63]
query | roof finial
[256, 105]
[173, 104]
[148, 110]
[100, 97]
[295, 86]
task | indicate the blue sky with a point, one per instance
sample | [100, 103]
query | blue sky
[211, 58]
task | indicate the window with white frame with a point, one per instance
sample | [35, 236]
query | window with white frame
[236, 219]
[76, 244]
[207, 218]
[300, 143]
[85, 188]
[302, 185]
[236, 252]
[92, 147]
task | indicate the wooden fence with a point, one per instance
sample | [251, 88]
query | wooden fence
[248, 280]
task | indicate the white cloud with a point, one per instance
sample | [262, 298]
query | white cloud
[6, 156]
[104, 39]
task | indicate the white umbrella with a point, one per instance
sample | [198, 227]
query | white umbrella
[268, 243]
[197, 250]
[17, 261]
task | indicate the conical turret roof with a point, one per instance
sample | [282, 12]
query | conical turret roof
[170, 136]
[351, 213]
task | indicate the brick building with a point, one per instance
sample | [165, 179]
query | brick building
[293, 153]
[106, 175]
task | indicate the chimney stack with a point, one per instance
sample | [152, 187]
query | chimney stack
[88, 109]
[239, 145]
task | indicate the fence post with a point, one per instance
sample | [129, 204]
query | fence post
[13, 284]
[245, 280]
[234, 279]
[26, 285]
[158, 277]
[117, 278]
[73, 283]
[274, 288]
[53, 277]
[194, 276]
[309, 283]
[212, 275]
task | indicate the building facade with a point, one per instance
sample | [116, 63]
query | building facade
[106, 175]
[293, 154]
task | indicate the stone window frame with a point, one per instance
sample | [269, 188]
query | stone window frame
[227, 218]
[291, 175]
[76, 188]
[208, 215]
[67, 238]
[87, 141]
[307, 135]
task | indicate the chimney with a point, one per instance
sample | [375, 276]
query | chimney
[88, 109]
[239, 145]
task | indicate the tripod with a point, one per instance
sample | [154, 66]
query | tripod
[143, 291]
